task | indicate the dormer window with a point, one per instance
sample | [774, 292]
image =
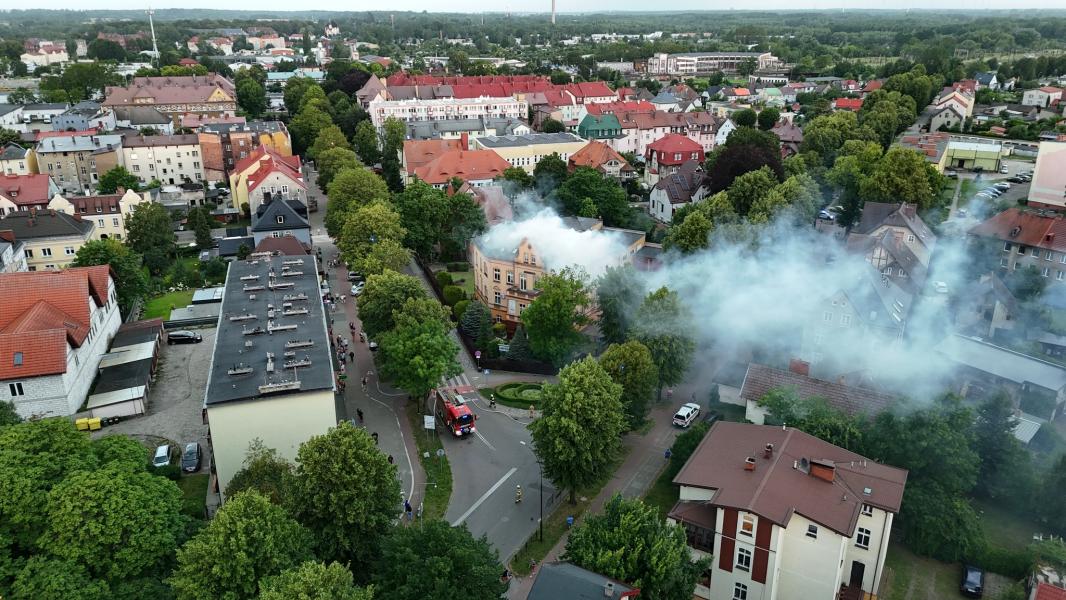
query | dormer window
[18, 359]
[281, 219]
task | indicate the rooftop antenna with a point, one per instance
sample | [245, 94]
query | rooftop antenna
[151, 24]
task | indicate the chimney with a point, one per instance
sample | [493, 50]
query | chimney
[749, 463]
[464, 141]
[608, 589]
[823, 469]
[842, 380]
[800, 367]
[768, 452]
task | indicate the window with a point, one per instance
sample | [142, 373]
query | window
[195, 165]
[1062, 259]
[29, 253]
[497, 298]
[845, 320]
[510, 277]
[867, 510]
[18, 359]
[744, 559]
[827, 317]
[114, 221]
[1045, 271]
[1049, 255]
[1059, 275]
[812, 531]
[46, 252]
[196, 153]
[68, 250]
[910, 238]
[16, 389]
[136, 168]
[902, 272]
[522, 285]
[1003, 263]
[862, 538]
[740, 591]
[747, 525]
[495, 274]
[281, 219]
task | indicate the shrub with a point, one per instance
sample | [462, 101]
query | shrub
[444, 279]
[460, 308]
[171, 471]
[453, 294]
[458, 266]
[1015, 564]
[522, 393]
[499, 329]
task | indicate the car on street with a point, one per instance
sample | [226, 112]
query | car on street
[973, 581]
[355, 276]
[1003, 185]
[183, 336]
[686, 414]
[825, 214]
[1004, 169]
[190, 458]
[358, 288]
[162, 456]
[952, 174]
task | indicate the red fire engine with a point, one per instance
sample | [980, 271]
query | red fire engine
[452, 410]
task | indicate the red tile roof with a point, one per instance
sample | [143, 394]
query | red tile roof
[268, 161]
[595, 154]
[42, 312]
[467, 165]
[1026, 227]
[1046, 591]
[1051, 90]
[873, 85]
[88, 205]
[25, 190]
[417, 153]
[589, 89]
[853, 104]
[401, 78]
[636, 107]
[559, 98]
[672, 144]
[287, 245]
[40, 135]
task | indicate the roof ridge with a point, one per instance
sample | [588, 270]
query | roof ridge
[769, 470]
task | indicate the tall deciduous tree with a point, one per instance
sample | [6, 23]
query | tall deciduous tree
[446, 555]
[902, 175]
[618, 294]
[768, 117]
[630, 365]
[313, 581]
[295, 88]
[691, 234]
[386, 255]
[578, 433]
[130, 280]
[349, 190]
[333, 161]
[416, 354]
[423, 212]
[263, 471]
[328, 138]
[551, 171]
[115, 178]
[999, 451]
[345, 491]
[366, 143]
[746, 149]
[589, 184]
[553, 318]
[251, 97]
[199, 220]
[47, 578]
[306, 125]
[367, 226]
[632, 543]
[150, 233]
[664, 326]
[382, 295]
[248, 540]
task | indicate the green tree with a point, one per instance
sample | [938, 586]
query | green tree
[386, 255]
[745, 118]
[295, 88]
[120, 452]
[587, 183]
[552, 126]
[446, 555]
[313, 581]
[519, 349]
[553, 319]
[551, 171]
[747, 149]
[518, 176]
[248, 540]
[382, 294]
[106, 50]
[117, 177]
[306, 126]
[328, 138]
[415, 355]
[685, 444]
[474, 318]
[1051, 507]
[901, 175]
[394, 132]
[747, 189]
[346, 492]
[199, 220]
[768, 117]
[349, 190]
[826, 135]
[251, 97]
[630, 542]
[465, 221]
[689, 235]
[264, 472]
[664, 326]
[813, 415]
[48, 578]
[424, 213]
[630, 365]
[618, 294]
[8, 415]
[999, 451]
[366, 143]
[938, 523]
[150, 233]
[367, 226]
[115, 522]
[579, 431]
[130, 280]
[333, 161]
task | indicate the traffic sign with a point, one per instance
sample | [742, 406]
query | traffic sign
[477, 354]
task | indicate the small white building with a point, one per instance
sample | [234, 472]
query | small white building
[1042, 97]
[785, 515]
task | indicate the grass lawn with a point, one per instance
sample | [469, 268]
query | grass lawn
[663, 493]
[438, 471]
[911, 577]
[194, 494]
[467, 277]
[1004, 528]
[159, 307]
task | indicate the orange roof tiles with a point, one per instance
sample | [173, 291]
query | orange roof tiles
[595, 154]
[417, 153]
[465, 164]
[1026, 227]
[25, 190]
[1046, 591]
[638, 106]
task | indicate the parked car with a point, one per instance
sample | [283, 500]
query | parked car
[162, 456]
[973, 581]
[952, 174]
[355, 276]
[358, 288]
[183, 337]
[1003, 185]
[1004, 169]
[686, 414]
[190, 459]
[825, 214]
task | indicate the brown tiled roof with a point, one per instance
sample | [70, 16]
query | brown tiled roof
[88, 205]
[1027, 227]
[778, 487]
[465, 164]
[760, 379]
[154, 141]
[25, 190]
[287, 245]
[876, 214]
[595, 154]
[417, 153]
[169, 90]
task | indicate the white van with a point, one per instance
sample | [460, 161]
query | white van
[686, 414]
[162, 456]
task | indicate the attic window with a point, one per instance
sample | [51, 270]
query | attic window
[281, 218]
[18, 359]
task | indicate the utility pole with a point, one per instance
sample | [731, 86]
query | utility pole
[151, 25]
[553, 12]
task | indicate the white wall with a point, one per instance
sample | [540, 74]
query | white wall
[810, 568]
[880, 526]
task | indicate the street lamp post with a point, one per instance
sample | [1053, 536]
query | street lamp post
[541, 522]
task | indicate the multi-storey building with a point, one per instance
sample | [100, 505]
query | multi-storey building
[211, 95]
[1048, 189]
[54, 328]
[265, 173]
[1028, 238]
[526, 151]
[225, 144]
[51, 238]
[108, 212]
[666, 155]
[170, 159]
[452, 108]
[691, 63]
[785, 515]
[23, 192]
[85, 115]
[77, 162]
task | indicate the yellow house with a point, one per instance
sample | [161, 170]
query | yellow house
[266, 172]
[51, 237]
[525, 151]
[16, 160]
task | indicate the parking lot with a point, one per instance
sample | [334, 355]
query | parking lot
[175, 402]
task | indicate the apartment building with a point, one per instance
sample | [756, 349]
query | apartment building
[692, 63]
[526, 151]
[265, 173]
[51, 238]
[666, 155]
[450, 108]
[85, 115]
[54, 329]
[23, 192]
[108, 212]
[208, 95]
[1028, 238]
[1048, 189]
[785, 515]
[223, 145]
[77, 162]
[170, 159]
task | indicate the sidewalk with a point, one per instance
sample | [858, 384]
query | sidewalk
[636, 474]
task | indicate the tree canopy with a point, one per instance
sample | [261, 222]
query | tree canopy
[553, 318]
[630, 365]
[382, 295]
[130, 280]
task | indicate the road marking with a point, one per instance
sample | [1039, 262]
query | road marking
[482, 438]
[410, 466]
[484, 497]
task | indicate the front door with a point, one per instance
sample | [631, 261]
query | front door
[857, 571]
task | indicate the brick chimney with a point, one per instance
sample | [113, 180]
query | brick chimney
[464, 141]
[749, 463]
[800, 367]
[823, 469]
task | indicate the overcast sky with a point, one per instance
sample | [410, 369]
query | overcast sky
[544, 5]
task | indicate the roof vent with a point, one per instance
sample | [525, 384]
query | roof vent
[1015, 231]
[749, 463]
[823, 469]
[867, 491]
[768, 451]
[608, 589]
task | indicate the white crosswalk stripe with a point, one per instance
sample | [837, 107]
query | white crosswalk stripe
[458, 380]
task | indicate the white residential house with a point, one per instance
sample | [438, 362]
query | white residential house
[785, 515]
[107, 211]
[1042, 97]
[172, 159]
[450, 108]
[727, 127]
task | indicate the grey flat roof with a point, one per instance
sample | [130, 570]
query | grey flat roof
[236, 349]
[530, 139]
[79, 143]
[1002, 362]
[256, 126]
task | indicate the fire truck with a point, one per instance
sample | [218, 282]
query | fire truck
[451, 409]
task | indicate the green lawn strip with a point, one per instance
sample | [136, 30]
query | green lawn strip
[159, 307]
[663, 493]
[524, 404]
[438, 489]
[194, 494]
[555, 523]
[1004, 528]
